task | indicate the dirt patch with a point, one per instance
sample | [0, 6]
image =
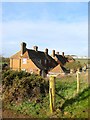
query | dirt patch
[13, 114]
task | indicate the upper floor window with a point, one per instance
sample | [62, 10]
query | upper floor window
[40, 61]
[45, 61]
[24, 61]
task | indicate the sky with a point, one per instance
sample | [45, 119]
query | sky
[62, 26]
[45, 0]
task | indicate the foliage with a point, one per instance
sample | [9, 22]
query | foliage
[82, 61]
[18, 86]
[73, 65]
[88, 61]
[5, 60]
[4, 63]
[68, 103]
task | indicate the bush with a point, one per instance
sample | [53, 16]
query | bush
[18, 86]
[5, 60]
[73, 65]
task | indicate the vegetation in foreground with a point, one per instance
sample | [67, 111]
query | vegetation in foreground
[29, 94]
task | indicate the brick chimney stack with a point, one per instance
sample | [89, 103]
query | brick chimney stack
[46, 51]
[63, 54]
[53, 53]
[57, 53]
[23, 48]
[35, 48]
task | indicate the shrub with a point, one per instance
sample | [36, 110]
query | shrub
[73, 65]
[18, 86]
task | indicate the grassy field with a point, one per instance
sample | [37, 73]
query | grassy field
[73, 105]
[82, 61]
[68, 103]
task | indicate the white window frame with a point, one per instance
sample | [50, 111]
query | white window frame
[24, 61]
[23, 69]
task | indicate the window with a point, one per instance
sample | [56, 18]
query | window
[40, 61]
[45, 61]
[24, 61]
[23, 69]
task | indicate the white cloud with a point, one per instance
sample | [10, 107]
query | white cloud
[68, 37]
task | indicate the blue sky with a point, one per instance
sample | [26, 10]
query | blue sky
[62, 26]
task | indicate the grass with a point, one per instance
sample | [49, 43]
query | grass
[77, 106]
[71, 104]
[82, 61]
[68, 103]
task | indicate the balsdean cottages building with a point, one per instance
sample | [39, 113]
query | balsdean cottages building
[39, 62]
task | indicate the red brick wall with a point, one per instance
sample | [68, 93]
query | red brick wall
[29, 66]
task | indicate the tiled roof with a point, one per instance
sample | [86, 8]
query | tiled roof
[62, 59]
[39, 58]
[57, 69]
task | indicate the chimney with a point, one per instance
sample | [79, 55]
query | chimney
[46, 51]
[63, 54]
[23, 48]
[53, 53]
[57, 53]
[35, 48]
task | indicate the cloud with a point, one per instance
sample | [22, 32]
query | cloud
[69, 37]
[63, 28]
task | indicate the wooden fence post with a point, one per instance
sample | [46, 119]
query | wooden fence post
[51, 103]
[52, 93]
[78, 81]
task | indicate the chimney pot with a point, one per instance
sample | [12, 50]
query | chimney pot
[63, 54]
[46, 51]
[57, 53]
[35, 48]
[53, 53]
[23, 48]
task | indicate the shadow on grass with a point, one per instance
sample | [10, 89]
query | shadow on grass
[62, 87]
[60, 95]
[81, 96]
